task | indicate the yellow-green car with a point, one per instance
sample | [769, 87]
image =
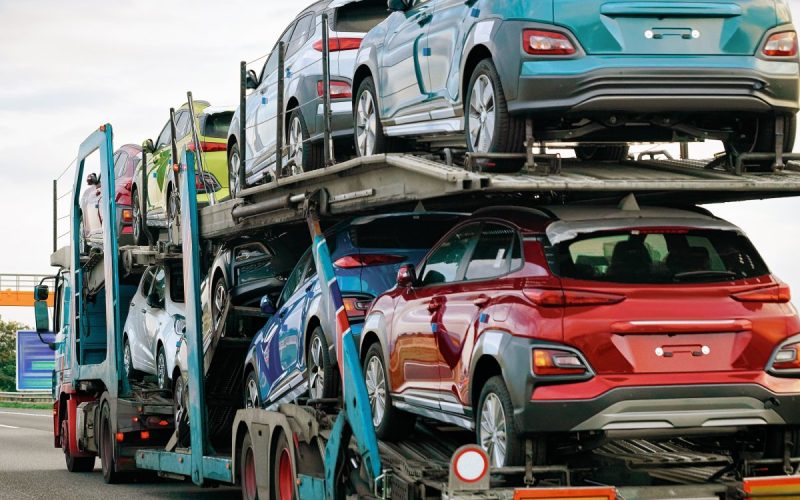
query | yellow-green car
[162, 196]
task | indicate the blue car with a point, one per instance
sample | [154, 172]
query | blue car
[293, 354]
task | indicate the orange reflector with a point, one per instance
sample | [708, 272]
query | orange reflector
[176, 168]
[768, 488]
[145, 435]
[127, 215]
[120, 437]
[590, 493]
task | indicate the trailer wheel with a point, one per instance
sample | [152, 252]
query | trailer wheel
[247, 469]
[390, 423]
[108, 458]
[282, 472]
[74, 464]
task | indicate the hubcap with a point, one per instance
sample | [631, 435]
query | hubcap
[252, 394]
[493, 430]
[219, 302]
[137, 218]
[126, 360]
[366, 124]
[162, 370]
[482, 115]
[250, 474]
[316, 378]
[296, 146]
[376, 389]
[285, 479]
[234, 176]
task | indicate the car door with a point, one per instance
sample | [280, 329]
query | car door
[135, 326]
[497, 253]
[450, 21]
[403, 67]
[414, 357]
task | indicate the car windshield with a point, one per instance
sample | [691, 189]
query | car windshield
[660, 256]
[360, 17]
[216, 125]
[415, 232]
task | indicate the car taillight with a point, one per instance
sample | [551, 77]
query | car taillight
[208, 147]
[544, 297]
[781, 45]
[546, 43]
[209, 184]
[127, 215]
[357, 260]
[128, 185]
[339, 89]
[356, 307]
[549, 362]
[776, 294]
[336, 44]
[787, 359]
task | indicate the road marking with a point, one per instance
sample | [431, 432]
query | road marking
[8, 426]
[46, 415]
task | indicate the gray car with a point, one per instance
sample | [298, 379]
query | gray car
[303, 126]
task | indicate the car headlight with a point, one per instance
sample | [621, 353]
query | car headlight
[180, 325]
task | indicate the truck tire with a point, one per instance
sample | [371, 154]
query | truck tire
[247, 469]
[283, 480]
[321, 375]
[390, 423]
[74, 464]
[108, 452]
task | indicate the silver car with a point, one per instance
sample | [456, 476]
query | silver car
[350, 20]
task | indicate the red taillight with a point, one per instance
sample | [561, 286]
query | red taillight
[787, 358]
[546, 43]
[120, 437]
[570, 298]
[337, 44]
[775, 294]
[781, 45]
[208, 147]
[156, 422]
[548, 362]
[356, 307]
[145, 435]
[339, 89]
[353, 261]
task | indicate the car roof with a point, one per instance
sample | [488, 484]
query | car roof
[213, 110]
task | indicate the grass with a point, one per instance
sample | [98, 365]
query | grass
[27, 406]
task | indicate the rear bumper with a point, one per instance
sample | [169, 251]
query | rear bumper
[704, 406]
[662, 85]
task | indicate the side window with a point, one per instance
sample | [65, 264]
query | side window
[182, 124]
[120, 165]
[272, 62]
[494, 253]
[446, 262]
[300, 35]
[252, 263]
[164, 137]
[160, 284]
[295, 279]
[147, 282]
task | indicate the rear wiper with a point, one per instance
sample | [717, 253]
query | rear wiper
[689, 275]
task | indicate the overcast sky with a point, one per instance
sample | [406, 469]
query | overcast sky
[66, 67]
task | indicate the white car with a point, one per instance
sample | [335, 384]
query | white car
[154, 325]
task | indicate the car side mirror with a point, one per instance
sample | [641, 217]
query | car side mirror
[251, 80]
[148, 146]
[267, 307]
[399, 5]
[91, 179]
[406, 276]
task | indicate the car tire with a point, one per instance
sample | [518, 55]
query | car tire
[161, 368]
[390, 423]
[489, 117]
[282, 485]
[140, 235]
[234, 159]
[180, 411]
[74, 464]
[321, 374]
[219, 295]
[495, 425]
[368, 134]
[311, 155]
[127, 361]
[247, 469]
[251, 391]
[616, 152]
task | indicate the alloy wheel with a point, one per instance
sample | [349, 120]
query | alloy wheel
[376, 389]
[296, 145]
[161, 369]
[126, 359]
[493, 437]
[316, 376]
[366, 124]
[137, 219]
[252, 394]
[482, 115]
[233, 182]
[220, 296]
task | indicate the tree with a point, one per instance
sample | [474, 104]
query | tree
[8, 354]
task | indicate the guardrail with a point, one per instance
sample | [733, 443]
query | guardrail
[26, 397]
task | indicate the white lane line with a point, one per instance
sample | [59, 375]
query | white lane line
[8, 426]
[46, 415]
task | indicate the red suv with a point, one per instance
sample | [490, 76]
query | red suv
[571, 325]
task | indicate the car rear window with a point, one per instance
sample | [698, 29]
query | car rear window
[360, 17]
[176, 285]
[216, 125]
[414, 232]
[660, 256]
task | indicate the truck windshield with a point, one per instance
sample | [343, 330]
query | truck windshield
[660, 256]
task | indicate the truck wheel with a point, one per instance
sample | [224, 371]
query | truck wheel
[108, 458]
[488, 126]
[617, 152]
[390, 423]
[306, 156]
[495, 427]
[251, 397]
[74, 464]
[282, 472]
[321, 376]
[247, 469]
[234, 160]
[369, 136]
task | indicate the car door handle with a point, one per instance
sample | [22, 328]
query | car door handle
[424, 19]
[144, 311]
[481, 301]
[263, 91]
[434, 306]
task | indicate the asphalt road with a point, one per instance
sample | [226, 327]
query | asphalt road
[31, 468]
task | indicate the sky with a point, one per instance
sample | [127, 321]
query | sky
[68, 67]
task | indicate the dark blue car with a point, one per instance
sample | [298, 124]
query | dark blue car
[293, 354]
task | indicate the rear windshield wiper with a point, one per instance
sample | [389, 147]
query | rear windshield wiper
[701, 275]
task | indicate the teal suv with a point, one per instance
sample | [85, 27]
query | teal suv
[599, 73]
